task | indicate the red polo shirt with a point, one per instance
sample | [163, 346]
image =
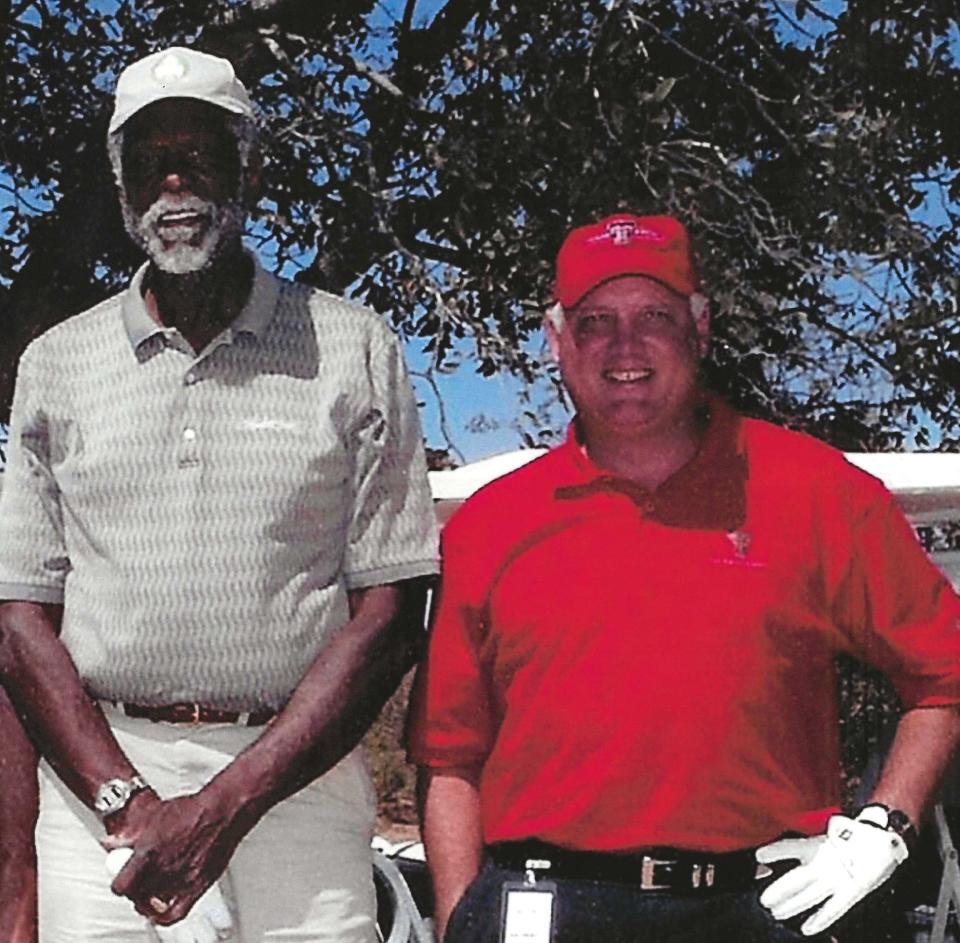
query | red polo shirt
[632, 669]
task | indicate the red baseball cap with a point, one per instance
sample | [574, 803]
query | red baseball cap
[655, 246]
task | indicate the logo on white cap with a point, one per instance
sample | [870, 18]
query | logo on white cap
[171, 68]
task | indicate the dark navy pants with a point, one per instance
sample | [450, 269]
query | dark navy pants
[607, 912]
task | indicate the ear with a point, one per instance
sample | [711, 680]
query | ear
[553, 325]
[253, 178]
[700, 312]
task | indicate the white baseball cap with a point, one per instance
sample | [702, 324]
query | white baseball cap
[178, 72]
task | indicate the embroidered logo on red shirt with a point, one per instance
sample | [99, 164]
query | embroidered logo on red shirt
[740, 541]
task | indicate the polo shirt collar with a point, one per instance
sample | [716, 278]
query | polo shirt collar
[252, 319]
[708, 493]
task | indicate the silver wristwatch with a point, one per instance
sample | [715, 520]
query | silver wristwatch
[114, 794]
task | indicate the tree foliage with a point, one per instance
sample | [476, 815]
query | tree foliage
[431, 156]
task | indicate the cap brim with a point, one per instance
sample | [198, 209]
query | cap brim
[119, 118]
[577, 288]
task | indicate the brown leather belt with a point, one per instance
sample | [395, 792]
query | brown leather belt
[187, 712]
[654, 869]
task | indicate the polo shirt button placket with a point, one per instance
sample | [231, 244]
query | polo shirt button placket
[188, 446]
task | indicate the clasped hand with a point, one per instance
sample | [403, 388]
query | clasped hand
[837, 870]
[208, 921]
[174, 851]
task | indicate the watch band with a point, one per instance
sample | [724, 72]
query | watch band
[893, 820]
[114, 794]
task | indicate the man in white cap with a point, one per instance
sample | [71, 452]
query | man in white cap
[216, 529]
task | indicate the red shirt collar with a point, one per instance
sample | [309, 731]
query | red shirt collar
[708, 493]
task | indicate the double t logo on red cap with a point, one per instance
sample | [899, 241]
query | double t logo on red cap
[623, 230]
[650, 246]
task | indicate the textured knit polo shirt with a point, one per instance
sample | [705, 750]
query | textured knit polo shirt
[631, 669]
[202, 516]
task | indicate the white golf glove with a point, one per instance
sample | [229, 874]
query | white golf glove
[837, 869]
[208, 921]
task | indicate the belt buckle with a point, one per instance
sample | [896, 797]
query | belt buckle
[194, 713]
[704, 875]
[647, 867]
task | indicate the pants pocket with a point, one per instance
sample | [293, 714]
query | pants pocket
[476, 917]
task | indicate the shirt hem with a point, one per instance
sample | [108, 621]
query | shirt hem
[27, 592]
[391, 574]
[445, 762]
[933, 699]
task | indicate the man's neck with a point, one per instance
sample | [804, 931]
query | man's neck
[200, 304]
[649, 460]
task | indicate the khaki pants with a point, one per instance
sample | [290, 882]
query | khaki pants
[304, 873]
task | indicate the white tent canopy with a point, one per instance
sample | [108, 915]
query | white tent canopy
[931, 475]
[457, 484]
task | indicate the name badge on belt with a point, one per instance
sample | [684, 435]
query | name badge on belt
[528, 908]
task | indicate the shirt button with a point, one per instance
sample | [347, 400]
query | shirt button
[189, 435]
[191, 378]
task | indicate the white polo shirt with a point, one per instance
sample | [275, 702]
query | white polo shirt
[201, 517]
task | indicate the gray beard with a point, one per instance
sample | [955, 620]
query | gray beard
[224, 224]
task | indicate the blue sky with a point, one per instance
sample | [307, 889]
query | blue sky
[479, 411]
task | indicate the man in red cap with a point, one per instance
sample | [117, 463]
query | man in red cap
[628, 711]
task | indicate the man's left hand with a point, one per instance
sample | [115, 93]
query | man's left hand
[181, 846]
[837, 870]
[209, 920]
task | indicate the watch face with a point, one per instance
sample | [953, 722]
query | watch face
[112, 796]
[898, 821]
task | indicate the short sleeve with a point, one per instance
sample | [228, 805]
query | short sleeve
[33, 557]
[392, 531]
[452, 720]
[897, 610]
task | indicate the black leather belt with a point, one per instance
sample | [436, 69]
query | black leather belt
[190, 713]
[653, 869]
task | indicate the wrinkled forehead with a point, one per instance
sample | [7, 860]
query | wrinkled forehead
[630, 291]
[180, 118]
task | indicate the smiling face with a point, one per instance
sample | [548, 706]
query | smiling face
[183, 196]
[629, 353]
